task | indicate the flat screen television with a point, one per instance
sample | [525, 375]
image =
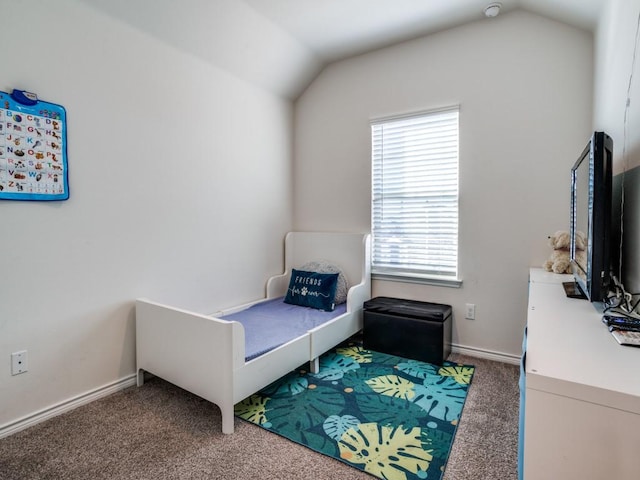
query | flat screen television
[591, 203]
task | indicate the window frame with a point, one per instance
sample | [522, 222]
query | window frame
[402, 273]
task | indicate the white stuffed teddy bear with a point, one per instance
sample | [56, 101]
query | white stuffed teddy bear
[559, 261]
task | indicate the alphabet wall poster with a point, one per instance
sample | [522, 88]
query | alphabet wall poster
[33, 148]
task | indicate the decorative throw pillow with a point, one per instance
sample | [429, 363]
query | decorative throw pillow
[323, 266]
[312, 289]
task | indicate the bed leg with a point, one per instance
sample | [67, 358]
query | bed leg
[314, 365]
[140, 377]
[227, 419]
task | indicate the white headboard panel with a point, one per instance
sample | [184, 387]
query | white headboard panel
[349, 251]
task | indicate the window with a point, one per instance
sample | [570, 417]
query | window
[415, 197]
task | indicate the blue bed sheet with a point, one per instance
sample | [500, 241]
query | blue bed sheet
[272, 323]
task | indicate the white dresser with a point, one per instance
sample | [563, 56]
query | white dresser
[582, 409]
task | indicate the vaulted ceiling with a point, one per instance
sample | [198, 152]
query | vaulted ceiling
[281, 45]
[335, 29]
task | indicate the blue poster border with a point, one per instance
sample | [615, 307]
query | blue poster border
[33, 148]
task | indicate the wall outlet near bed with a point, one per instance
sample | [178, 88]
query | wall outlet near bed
[471, 311]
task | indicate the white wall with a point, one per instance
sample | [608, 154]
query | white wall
[180, 181]
[227, 33]
[524, 86]
[618, 79]
[615, 44]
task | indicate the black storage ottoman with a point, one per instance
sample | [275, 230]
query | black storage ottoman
[408, 328]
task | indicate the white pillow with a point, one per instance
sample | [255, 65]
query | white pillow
[323, 266]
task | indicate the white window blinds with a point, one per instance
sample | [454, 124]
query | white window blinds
[415, 195]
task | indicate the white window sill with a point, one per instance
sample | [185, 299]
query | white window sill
[417, 278]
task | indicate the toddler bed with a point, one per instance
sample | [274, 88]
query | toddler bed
[227, 356]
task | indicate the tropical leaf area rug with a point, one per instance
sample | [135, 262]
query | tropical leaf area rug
[390, 417]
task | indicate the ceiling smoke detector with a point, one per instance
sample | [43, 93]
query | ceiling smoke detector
[492, 10]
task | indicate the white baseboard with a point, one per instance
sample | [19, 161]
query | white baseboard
[486, 354]
[65, 406]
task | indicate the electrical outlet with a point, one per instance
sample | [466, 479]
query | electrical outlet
[471, 311]
[18, 362]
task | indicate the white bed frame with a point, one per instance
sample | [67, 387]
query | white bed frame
[205, 355]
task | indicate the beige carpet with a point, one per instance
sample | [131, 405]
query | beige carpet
[162, 432]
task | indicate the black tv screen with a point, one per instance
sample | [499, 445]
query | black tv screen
[591, 204]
